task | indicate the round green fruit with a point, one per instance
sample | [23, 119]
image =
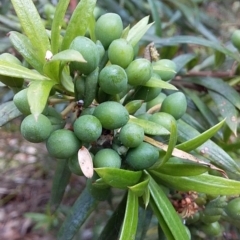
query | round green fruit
[112, 115]
[208, 218]
[107, 158]
[89, 51]
[163, 119]
[156, 101]
[235, 38]
[21, 101]
[87, 128]
[175, 104]
[108, 28]
[63, 144]
[142, 157]
[131, 135]
[113, 79]
[233, 209]
[166, 69]
[36, 130]
[212, 229]
[139, 72]
[120, 52]
[146, 93]
[73, 165]
[8, 80]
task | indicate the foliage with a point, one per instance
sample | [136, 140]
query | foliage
[196, 169]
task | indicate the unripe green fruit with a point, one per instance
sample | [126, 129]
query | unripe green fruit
[87, 128]
[113, 79]
[120, 52]
[139, 72]
[157, 100]
[21, 102]
[89, 51]
[142, 157]
[233, 209]
[7, 80]
[87, 111]
[235, 38]
[146, 93]
[212, 229]
[209, 219]
[175, 104]
[73, 165]
[193, 219]
[168, 70]
[36, 130]
[63, 144]
[163, 119]
[107, 158]
[108, 28]
[112, 115]
[131, 135]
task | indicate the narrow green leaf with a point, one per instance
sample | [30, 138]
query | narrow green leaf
[23, 45]
[130, 221]
[171, 144]
[156, 17]
[158, 83]
[160, 68]
[219, 58]
[15, 70]
[79, 22]
[8, 111]
[38, 92]
[78, 214]
[169, 214]
[181, 167]
[112, 228]
[51, 69]
[32, 25]
[203, 183]
[119, 178]
[150, 127]
[138, 31]
[146, 197]
[140, 187]
[227, 110]
[176, 40]
[68, 56]
[209, 149]
[183, 59]
[57, 23]
[60, 181]
[133, 106]
[66, 81]
[219, 86]
[200, 139]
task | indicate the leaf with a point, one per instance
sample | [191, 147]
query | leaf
[85, 162]
[15, 70]
[52, 70]
[149, 127]
[32, 25]
[219, 58]
[68, 56]
[182, 60]
[8, 111]
[219, 86]
[209, 149]
[176, 40]
[38, 92]
[119, 178]
[156, 18]
[57, 23]
[158, 68]
[180, 167]
[130, 221]
[168, 213]
[200, 139]
[138, 31]
[140, 187]
[203, 183]
[66, 81]
[60, 181]
[133, 106]
[79, 22]
[78, 214]
[23, 45]
[158, 83]
[227, 110]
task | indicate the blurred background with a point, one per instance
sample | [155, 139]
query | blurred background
[25, 168]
